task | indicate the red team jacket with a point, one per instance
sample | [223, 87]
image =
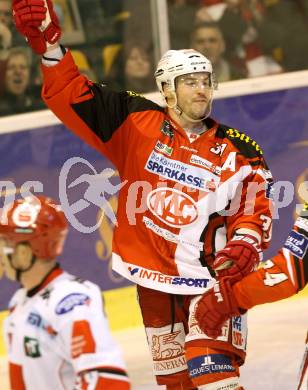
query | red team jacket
[169, 225]
[281, 277]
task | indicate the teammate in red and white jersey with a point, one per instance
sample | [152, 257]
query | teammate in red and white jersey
[57, 334]
[196, 194]
[279, 277]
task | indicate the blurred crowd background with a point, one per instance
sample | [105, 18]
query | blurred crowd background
[113, 42]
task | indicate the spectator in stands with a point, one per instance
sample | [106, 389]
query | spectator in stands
[182, 15]
[284, 32]
[132, 70]
[139, 24]
[240, 23]
[6, 23]
[231, 23]
[208, 39]
[5, 44]
[5, 39]
[210, 10]
[5, 13]
[16, 97]
[5, 32]
[138, 69]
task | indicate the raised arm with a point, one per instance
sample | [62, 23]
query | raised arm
[99, 116]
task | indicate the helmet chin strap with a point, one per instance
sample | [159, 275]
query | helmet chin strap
[180, 112]
[18, 271]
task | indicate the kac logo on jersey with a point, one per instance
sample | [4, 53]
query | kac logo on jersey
[297, 244]
[173, 207]
[68, 303]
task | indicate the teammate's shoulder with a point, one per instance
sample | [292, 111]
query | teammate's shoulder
[72, 291]
[244, 143]
[70, 283]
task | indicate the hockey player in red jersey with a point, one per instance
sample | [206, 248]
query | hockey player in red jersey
[57, 334]
[279, 277]
[196, 200]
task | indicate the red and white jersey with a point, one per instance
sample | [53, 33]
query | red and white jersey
[181, 201]
[58, 338]
[280, 277]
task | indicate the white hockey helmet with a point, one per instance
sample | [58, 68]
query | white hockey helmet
[176, 63]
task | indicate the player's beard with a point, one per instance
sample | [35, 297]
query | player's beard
[197, 110]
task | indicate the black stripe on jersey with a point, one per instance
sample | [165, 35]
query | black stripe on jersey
[254, 163]
[108, 110]
[202, 260]
[246, 145]
[88, 92]
[211, 256]
[209, 122]
[221, 131]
